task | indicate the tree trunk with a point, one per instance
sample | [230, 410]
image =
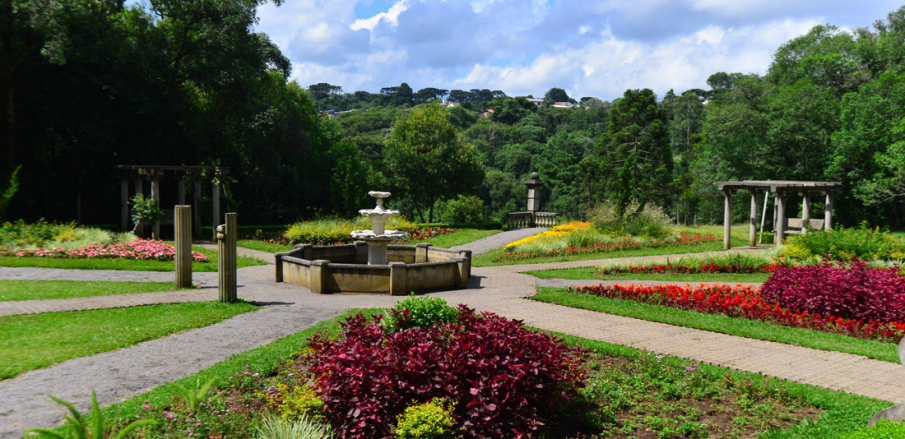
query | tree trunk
[430, 213]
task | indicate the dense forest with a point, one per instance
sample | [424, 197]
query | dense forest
[91, 84]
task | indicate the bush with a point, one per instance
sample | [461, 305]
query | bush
[302, 428]
[845, 244]
[881, 430]
[19, 236]
[852, 290]
[651, 221]
[297, 402]
[501, 377]
[464, 209]
[420, 312]
[431, 420]
[333, 231]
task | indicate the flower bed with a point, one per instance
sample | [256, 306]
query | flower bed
[745, 302]
[620, 244]
[143, 249]
[677, 268]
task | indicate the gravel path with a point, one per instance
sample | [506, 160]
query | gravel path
[286, 309]
[498, 240]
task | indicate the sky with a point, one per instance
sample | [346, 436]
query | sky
[596, 48]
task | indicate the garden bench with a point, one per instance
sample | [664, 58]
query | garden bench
[794, 225]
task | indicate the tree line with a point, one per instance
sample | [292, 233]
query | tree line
[89, 84]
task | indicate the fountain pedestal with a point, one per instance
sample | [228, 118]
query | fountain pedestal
[378, 237]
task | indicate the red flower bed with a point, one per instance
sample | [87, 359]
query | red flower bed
[626, 243]
[505, 380]
[683, 269]
[744, 302]
[854, 290]
[145, 249]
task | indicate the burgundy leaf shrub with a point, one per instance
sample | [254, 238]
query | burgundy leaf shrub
[849, 290]
[505, 380]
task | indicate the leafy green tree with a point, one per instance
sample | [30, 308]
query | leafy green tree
[557, 95]
[635, 153]
[425, 160]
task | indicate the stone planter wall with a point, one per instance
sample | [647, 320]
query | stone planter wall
[344, 268]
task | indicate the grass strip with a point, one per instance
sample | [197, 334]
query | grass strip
[722, 324]
[35, 341]
[459, 237]
[263, 360]
[488, 259]
[125, 264]
[589, 273]
[14, 290]
[263, 246]
[841, 412]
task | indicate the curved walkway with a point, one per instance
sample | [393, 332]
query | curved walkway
[286, 309]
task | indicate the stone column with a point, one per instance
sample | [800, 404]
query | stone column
[226, 246]
[196, 224]
[124, 204]
[534, 184]
[155, 195]
[780, 226]
[182, 227]
[828, 212]
[805, 212]
[215, 203]
[752, 234]
[398, 272]
[727, 220]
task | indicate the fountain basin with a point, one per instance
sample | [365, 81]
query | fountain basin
[344, 268]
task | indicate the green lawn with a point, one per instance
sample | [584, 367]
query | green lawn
[11, 290]
[35, 341]
[263, 246]
[726, 325]
[124, 264]
[459, 237]
[588, 273]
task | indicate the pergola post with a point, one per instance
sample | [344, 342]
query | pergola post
[124, 204]
[215, 202]
[828, 212]
[780, 226]
[155, 195]
[727, 220]
[140, 190]
[752, 235]
[180, 193]
[196, 209]
[805, 212]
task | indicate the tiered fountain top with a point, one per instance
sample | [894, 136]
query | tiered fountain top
[379, 216]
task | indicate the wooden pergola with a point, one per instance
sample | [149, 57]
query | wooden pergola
[781, 190]
[142, 174]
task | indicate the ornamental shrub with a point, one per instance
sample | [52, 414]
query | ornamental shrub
[845, 244]
[297, 402]
[420, 312]
[881, 430]
[503, 379]
[648, 221]
[853, 290]
[431, 420]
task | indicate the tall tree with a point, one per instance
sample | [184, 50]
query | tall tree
[425, 160]
[635, 152]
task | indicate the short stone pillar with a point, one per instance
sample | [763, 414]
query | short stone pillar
[182, 225]
[226, 246]
[534, 184]
[421, 252]
[465, 267]
[318, 275]
[398, 272]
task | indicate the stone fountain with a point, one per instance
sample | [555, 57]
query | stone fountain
[371, 264]
[378, 237]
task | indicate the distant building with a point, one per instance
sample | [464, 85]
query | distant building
[535, 101]
[450, 104]
[486, 113]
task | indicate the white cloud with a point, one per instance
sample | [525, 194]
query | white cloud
[391, 16]
[591, 48]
